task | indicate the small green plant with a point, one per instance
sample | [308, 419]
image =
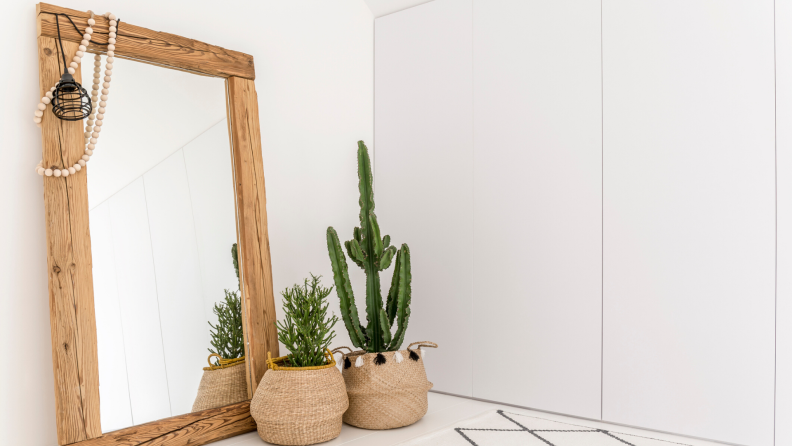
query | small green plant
[228, 338]
[306, 330]
[372, 254]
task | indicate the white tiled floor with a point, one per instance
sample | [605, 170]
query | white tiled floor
[445, 410]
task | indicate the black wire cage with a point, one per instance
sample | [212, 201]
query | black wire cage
[70, 101]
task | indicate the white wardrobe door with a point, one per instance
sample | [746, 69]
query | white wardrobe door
[689, 217]
[537, 215]
[185, 331]
[116, 412]
[424, 174]
[783, 414]
[211, 180]
[137, 294]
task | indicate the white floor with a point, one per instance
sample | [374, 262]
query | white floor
[445, 410]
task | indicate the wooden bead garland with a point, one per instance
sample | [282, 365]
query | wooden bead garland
[99, 92]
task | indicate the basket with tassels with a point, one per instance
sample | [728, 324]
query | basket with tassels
[222, 384]
[386, 390]
[299, 405]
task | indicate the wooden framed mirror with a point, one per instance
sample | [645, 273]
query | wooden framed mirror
[71, 270]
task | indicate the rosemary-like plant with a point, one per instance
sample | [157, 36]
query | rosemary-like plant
[228, 339]
[306, 330]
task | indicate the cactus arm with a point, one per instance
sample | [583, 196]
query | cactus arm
[386, 258]
[386, 242]
[344, 289]
[403, 298]
[391, 304]
[386, 333]
[351, 253]
[375, 236]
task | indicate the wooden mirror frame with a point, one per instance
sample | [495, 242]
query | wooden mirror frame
[72, 318]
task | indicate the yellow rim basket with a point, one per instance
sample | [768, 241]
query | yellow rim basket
[224, 363]
[273, 364]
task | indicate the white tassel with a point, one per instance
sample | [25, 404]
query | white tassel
[398, 357]
[359, 361]
[423, 353]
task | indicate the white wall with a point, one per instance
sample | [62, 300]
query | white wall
[423, 175]
[624, 202]
[689, 217]
[314, 80]
[783, 321]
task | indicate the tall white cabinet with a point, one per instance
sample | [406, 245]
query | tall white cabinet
[601, 176]
[689, 217]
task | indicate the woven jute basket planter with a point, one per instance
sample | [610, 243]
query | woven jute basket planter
[299, 405]
[389, 394]
[221, 384]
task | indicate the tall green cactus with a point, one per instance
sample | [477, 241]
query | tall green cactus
[373, 254]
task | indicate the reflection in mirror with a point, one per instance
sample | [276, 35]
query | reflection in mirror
[162, 220]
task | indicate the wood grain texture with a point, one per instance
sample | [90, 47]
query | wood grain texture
[159, 48]
[190, 429]
[257, 290]
[72, 320]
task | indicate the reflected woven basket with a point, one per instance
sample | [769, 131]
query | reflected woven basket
[386, 390]
[221, 384]
[299, 405]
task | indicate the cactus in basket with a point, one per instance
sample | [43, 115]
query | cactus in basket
[373, 254]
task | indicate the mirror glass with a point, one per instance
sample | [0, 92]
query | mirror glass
[163, 222]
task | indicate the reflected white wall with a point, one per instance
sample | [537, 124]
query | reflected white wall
[162, 260]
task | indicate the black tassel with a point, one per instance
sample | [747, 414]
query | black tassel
[414, 356]
[347, 364]
[379, 359]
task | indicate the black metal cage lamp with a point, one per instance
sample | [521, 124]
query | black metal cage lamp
[70, 101]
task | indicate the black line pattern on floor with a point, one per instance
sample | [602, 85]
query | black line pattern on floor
[534, 432]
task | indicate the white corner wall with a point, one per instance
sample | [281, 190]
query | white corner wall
[624, 202]
[783, 320]
[424, 172]
[314, 63]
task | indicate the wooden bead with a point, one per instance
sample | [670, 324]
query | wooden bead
[111, 47]
[72, 170]
[100, 116]
[112, 17]
[64, 173]
[39, 113]
[80, 53]
[41, 106]
[105, 85]
[112, 29]
[108, 73]
[87, 133]
[78, 167]
[102, 110]
[81, 162]
[85, 158]
[93, 140]
[36, 119]
[103, 104]
[84, 43]
[94, 137]
[48, 172]
[109, 66]
[76, 59]
[111, 34]
[113, 22]
[91, 146]
[46, 100]
[104, 97]
[40, 171]
[52, 89]
[91, 22]
[49, 95]
[56, 172]
[89, 30]
[105, 91]
[110, 56]
[74, 65]
[111, 40]
[87, 37]
[72, 70]
[88, 152]
[82, 48]
[107, 79]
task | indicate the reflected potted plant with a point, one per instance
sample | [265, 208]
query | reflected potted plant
[224, 382]
[301, 398]
[387, 387]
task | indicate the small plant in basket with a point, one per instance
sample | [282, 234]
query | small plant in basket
[302, 398]
[306, 330]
